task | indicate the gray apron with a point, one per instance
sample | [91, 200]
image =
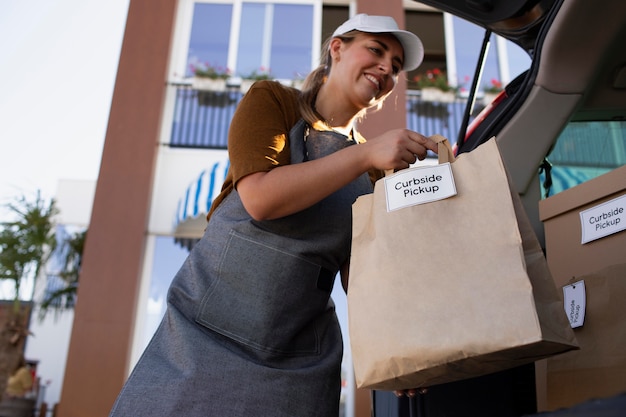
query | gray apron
[250, 328]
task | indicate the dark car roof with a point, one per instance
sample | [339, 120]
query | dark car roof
[516, 20]
[579, 71]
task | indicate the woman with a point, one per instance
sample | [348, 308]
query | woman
[250, 328]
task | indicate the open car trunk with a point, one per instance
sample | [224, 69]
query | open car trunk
[519, 21]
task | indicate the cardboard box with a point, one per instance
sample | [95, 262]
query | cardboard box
[598, 369]
[567, 257]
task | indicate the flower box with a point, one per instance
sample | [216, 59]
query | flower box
[208, 84]
[437, 95]
[245, 85]
[488, 98]
[297, 84]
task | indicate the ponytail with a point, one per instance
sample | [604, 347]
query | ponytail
[312, 84]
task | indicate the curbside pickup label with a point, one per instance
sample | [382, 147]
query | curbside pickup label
[419, 185]
[603, 220]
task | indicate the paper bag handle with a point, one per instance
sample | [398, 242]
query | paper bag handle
[444, 151]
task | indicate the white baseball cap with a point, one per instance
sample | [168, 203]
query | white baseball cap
[411, 44]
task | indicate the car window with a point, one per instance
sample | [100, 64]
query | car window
[583, 151]
[505, 60]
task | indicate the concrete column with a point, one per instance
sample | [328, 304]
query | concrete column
[100, 344]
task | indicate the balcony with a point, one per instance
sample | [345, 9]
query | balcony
[201, 118]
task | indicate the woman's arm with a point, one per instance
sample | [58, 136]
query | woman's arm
[288, 189]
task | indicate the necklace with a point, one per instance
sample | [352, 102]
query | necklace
[328, 123]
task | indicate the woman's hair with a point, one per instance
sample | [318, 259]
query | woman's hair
[317, 78]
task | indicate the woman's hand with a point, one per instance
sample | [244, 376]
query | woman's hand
[290, 188]
[398, 149]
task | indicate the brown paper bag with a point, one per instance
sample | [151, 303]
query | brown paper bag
[449, 290]
[598, 369]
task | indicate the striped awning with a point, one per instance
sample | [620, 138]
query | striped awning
[196, 201]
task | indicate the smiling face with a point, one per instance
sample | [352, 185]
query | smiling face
[365, 69]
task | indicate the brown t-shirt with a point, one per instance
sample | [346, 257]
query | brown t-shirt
[258, 139]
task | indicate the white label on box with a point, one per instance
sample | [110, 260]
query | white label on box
[575, 301]
[419, 185]
[603, 220]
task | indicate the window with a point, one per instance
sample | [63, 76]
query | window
[505, 60]
[208, 43]
[586, 150]
[275, 37]
[167, 258]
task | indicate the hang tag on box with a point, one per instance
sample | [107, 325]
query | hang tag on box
[574, 302]
[419, 185]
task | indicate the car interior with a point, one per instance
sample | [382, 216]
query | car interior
[577, 80]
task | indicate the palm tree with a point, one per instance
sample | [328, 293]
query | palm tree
[26, 243]
[63, 295]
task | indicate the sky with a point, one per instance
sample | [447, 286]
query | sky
[58, 62]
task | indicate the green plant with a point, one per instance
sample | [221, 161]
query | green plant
[261, 74]
[206, 70]
[26, 240]
[433, 78]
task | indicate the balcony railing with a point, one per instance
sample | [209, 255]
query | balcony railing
[202, 118]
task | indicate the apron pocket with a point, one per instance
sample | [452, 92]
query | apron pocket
[265, 298]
